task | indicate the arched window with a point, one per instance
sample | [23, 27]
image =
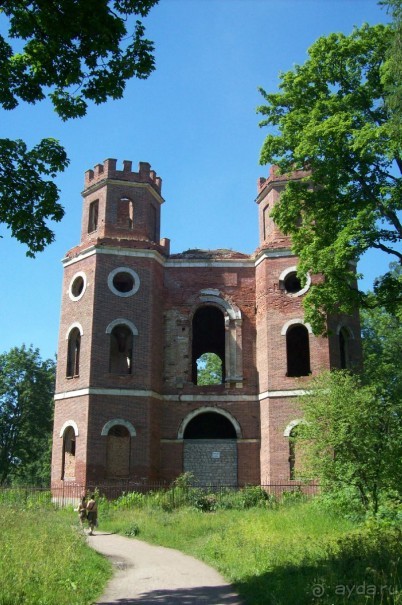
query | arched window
[118, 452]
[125, 213]
[208, 336]
[68, 471]
[121, 350]
[297, 351]
[344, 348]
[73, 353]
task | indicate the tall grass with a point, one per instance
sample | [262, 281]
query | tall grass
[44, 559]
[292, 554]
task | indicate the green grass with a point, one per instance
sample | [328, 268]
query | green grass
[292, 555]
[44, 559]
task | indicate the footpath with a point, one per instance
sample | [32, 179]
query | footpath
[154, 575]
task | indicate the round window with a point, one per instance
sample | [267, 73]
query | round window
[123, 281]
[77, 286]
[292, 283]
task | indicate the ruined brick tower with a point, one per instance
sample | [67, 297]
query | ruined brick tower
[136, 319]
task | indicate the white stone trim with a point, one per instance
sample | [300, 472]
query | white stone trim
[204, 409]
[66, 425]
[278, 394]
[121, 321]
[111, 392]
[131, 272]
[76, 324]
[118, 422]
[291, 426]
[70, 288]
[264, 254]
[211, 295]
[293, 322]
[283, 276]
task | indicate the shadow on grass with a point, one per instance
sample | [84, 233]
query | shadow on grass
[364, 567]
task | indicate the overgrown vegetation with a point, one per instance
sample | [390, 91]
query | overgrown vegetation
[294, 550]
[63, 569]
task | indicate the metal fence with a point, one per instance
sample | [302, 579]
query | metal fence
[132, 494]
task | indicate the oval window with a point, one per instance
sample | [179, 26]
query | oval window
[77, 286]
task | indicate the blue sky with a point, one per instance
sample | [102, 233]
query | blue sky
[194, 120]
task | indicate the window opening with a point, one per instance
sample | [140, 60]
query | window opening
[69, 454]
[125, 213]
[153, 224]
[77, 286]
[297, 351]
[292, 453]
[121, 350]
[209, 369]
[344, 342]
[118, 452]
[208, 337]
[73, 353]
[292, 283]
[210, 425]
[123, 282]
[93, 216]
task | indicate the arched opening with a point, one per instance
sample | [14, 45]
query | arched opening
[344, 348]
[73, 353]
[210, 449]
[121, 350]
[297, 351]
[208, 337]
[118, 452]
[210, 425]
[68, 467]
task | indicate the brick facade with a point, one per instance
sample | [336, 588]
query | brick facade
[134, 320]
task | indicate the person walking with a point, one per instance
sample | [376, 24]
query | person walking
[92, 514]
[82, 510]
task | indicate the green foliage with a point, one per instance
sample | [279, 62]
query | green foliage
[288, 555]
[26, 415]
[45, 560]
[209, 369]
[330, 117]
[28, 200]
[73, 53]
[352, 437]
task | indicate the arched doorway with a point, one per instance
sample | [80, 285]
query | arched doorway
[210, 447]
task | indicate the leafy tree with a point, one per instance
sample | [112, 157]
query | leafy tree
[209, 369]
[72, 52]
[331, 117]
[26, 415]
[352, 437]
[392, 69]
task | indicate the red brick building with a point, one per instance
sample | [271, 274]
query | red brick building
[135, 319]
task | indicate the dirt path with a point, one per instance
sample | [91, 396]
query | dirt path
[159, 576]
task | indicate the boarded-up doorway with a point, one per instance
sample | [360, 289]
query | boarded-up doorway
[210, 450]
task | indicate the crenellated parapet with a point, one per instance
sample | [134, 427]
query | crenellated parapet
[108, 170]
